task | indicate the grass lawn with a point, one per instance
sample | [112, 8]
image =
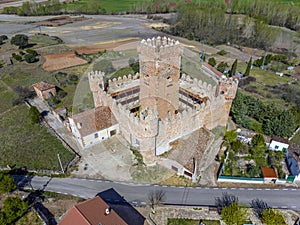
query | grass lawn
[26, 145]
[191, 222]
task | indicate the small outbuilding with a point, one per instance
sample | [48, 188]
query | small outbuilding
[269, 175]
[279, 144]
[44, 90]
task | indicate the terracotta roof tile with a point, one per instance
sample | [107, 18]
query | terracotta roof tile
[92, 212]
[43, 86]
[94, 120]
[268, 172]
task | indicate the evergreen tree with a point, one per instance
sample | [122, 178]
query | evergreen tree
[233, 68]
[247, 72]
[212, 61]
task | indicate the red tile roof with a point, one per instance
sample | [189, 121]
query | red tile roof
[43, 86]
[94, 120]
[268, 172]
[92, 212]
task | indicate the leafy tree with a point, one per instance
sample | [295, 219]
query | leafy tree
[236, 145]
[233, 68]
[34, 114]
[272, 217]
[20, 40]
[3, 37]
[230, 135]
[234, 214]
[247, 72]
[30, 58]
[258, 140]
[13, 208]
[6, 183]
[17, 57]
[254, 171]
[32, 52]
[212, 61]
[222, 66]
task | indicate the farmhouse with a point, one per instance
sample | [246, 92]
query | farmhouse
[93, 126]
[158, 106]
[279, 144]
[44, 89]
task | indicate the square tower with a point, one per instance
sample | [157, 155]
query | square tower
[160, 60]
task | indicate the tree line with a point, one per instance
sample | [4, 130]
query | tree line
[253, 113]
[210, 21]
[54, 7]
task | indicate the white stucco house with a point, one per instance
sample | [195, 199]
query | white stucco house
[93, 126]
[279, 144]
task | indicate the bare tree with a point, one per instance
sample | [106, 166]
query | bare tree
[258, 207]
[225, 200]
[156, 198]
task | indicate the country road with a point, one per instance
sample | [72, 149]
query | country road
[137, 194]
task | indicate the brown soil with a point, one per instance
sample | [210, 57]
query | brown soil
[105, 46]
[59, 21]
[61, 61]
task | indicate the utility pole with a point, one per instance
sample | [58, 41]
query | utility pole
[139, 36]
[263, 62]
[62, 169]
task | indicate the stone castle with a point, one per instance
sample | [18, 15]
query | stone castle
[159, 105]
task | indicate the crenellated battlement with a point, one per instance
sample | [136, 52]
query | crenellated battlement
[96, 80]
[159, 48]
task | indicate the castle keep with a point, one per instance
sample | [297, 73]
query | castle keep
[159, 105]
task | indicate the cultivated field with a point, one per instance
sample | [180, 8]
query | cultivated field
[61, 61]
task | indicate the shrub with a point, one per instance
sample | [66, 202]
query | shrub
[222, 52]
[212, 61]
[20, 40]
[32, 52]
[3, 37]
[73, 77]
[17, 57]
[34, 114]
[30, 58]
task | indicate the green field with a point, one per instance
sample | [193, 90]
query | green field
[21, 143]
[26, 145]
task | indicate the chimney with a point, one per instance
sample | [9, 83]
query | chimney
[107, 211]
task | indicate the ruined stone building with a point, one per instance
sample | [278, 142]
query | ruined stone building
[158, 106]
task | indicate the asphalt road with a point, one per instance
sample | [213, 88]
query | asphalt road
[137, 194]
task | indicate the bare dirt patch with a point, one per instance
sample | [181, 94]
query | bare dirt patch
[115, 45]
[61, 61]
[59, 21]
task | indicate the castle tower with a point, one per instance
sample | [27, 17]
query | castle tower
[96, 81]
[160, 60]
